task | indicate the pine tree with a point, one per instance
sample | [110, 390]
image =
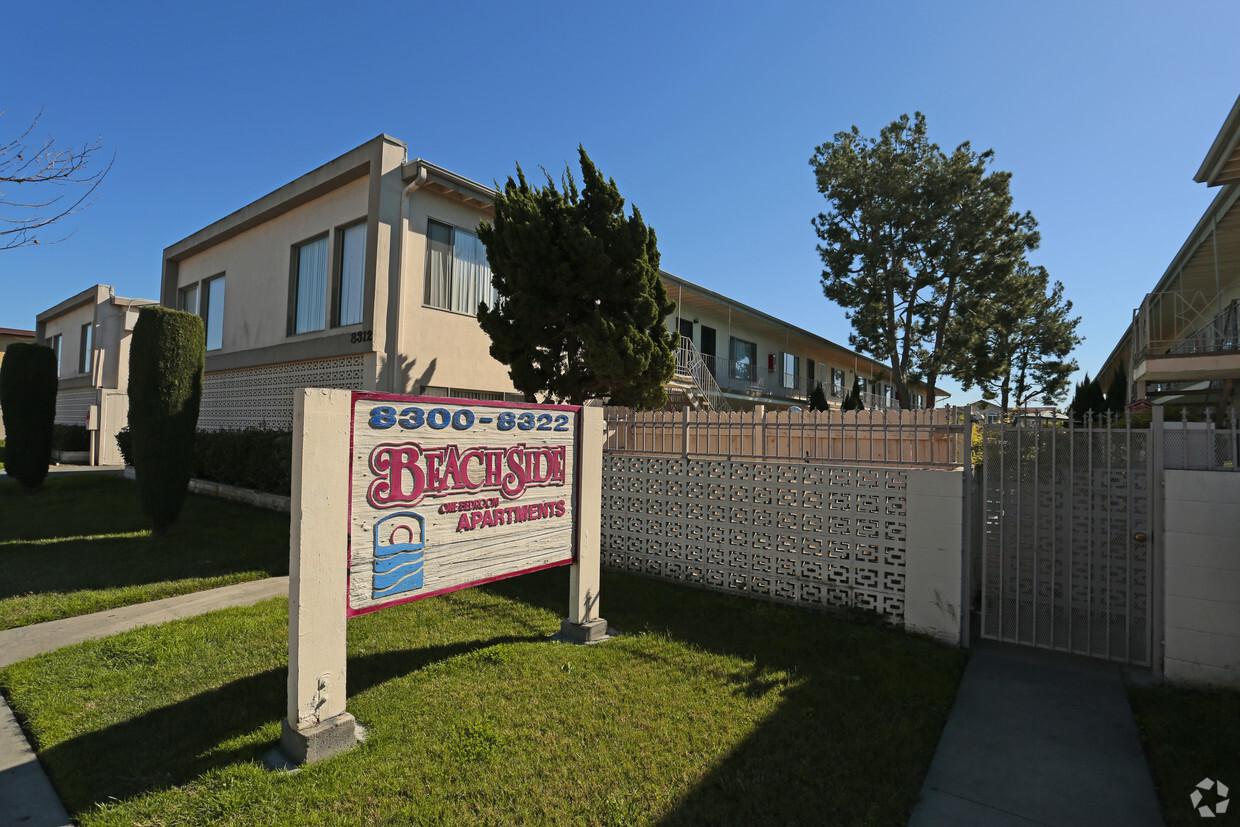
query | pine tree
[582, 311]
[818, 399]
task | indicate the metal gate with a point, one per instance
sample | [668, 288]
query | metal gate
[1068, 541]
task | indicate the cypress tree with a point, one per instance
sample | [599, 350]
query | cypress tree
[1117, 391]
[818, 399]
[166, 360]
[28, 396]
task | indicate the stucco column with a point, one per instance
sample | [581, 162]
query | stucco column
[583, 623]
[317, 725]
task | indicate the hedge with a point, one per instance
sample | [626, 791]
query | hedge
[257, 458]
[28, 386]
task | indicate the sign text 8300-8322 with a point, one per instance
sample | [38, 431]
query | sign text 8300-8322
[383, 417]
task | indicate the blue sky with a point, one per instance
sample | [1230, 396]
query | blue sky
[705, 114]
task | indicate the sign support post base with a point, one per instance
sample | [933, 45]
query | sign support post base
[319, 741]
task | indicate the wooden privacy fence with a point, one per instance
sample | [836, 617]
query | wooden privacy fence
[938, 437]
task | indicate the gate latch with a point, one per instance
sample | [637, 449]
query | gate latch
[1139, 537]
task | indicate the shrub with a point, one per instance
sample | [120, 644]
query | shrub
[259, 458]
[125, 443]
[166, 360]
[28, 396]
[70, 438]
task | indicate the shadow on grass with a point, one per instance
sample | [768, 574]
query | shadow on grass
[177, 743]
[860, 716]
[57, 539]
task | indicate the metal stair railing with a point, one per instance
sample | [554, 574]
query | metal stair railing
[691, 365]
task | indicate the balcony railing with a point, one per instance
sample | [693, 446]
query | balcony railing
[745, 378]
[1179, 323]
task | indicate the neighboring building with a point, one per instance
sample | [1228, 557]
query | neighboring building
[90, 334]
[365, 274]
[1183, 346]
[990, 413]
[8, 336]
[756, 359]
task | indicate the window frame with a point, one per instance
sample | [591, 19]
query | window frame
[733, 363]
[839, 388]
[185, 291]
[336, 285]
[86, 354]
[207, 313]
[56, 343]
[426, 283]
[294, 283]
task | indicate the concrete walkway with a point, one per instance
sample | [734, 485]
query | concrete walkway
[26, 796]
[1038, 738]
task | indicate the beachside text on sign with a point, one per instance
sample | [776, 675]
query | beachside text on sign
[451, 493]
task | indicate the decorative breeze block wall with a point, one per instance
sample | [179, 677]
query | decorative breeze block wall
[809, 534]
[264, 396]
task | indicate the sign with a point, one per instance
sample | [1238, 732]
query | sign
[445, 494]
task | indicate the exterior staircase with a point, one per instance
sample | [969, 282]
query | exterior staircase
[693, 383]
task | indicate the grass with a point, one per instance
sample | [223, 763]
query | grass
[709, 709]
[1189, 735]
[80, 544]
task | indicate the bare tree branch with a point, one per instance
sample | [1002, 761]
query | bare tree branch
[38, 170]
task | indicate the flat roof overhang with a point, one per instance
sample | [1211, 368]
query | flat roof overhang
[1188, 367]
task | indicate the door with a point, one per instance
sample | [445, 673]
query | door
[707, 347]
[686, 330]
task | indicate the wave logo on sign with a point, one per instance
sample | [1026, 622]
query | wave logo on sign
[399, 540]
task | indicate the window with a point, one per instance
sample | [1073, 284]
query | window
[309, 286]
[56, 350]
[458, 276]
[992, 418]
[791, 365]
[188, 299]
[213, 311]
[744, 360]
[861, 384]
[84, 352]
[837, 382]
[351, 275]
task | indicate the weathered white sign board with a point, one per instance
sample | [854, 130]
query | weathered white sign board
[446, 494]
[398, 498]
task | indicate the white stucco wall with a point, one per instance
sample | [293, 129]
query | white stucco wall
[932, 563]
[438, 347]
[256, 264]
[1202, 555]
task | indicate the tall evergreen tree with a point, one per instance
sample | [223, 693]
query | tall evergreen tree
[818, 399]
[582, 311]
[28, 386]
[1019, 340]
[911, 230]
[1117, 391]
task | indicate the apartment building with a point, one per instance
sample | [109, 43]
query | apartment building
[365, 274]
[1183, 345]
[90, 334]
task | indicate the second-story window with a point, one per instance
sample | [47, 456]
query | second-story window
[791, 370]
[56, 350]
[85, 352]
[458, 275]
[743, 363]
[213, 311]
[837, 382]
[351, 278]
[310, 286]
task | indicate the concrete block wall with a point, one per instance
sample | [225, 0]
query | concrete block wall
[1202, 583]
[933, 587]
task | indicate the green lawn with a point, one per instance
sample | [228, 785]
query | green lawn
[79, 544]
[1189, 735]
[709, 709]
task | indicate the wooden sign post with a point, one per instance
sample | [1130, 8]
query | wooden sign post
[399, 498]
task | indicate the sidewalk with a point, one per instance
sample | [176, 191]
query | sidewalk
[26, 796]
[1038, 737]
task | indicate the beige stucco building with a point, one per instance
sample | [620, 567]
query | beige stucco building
[1183, 346]
[8, 336]
[365, 274]
[90, 334]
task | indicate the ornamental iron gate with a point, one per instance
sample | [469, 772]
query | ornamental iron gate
[1068, 539]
